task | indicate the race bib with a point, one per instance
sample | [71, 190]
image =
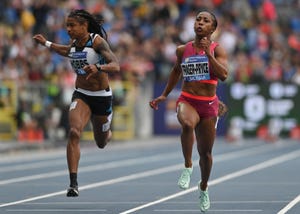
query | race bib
[78, 60]
[195, 68]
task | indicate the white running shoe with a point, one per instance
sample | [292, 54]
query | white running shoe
[204, 202]
[185, 178]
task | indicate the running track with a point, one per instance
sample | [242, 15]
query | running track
[141, 177]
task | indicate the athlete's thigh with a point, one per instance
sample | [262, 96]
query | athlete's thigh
[186, 113]
[101, 123]
[79, 114]
[205, 133]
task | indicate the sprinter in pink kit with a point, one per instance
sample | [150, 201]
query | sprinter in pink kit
[200, 63]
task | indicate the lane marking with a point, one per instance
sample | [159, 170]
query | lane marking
[228, 156]
[197, 211]
[55, 210]
[26, 166]
[167, 202]
[138, 161]
[86, 149]
[103, 183]
[96, 167]
[248, 170]
[148, 173]
[290, 205]
[29, 156]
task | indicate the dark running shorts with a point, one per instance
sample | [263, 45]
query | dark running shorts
[99, 105]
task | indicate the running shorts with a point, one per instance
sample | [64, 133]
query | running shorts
[99, 105]
[205, 106]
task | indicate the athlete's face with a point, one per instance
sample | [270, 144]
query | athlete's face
[204, 24]
[76, 29]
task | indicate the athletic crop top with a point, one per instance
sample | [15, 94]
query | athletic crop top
[195, 66]
[79, 57]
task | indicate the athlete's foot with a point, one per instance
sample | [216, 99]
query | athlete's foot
[72, 192]
[204, 202]
[185, 178]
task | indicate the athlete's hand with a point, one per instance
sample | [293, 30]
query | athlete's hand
[205, 44]
[91, 70]
[154, 103]
[39, 38]
[223, 109]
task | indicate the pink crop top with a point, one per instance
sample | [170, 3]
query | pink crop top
[195, 66]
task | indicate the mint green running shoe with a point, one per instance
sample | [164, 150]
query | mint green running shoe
[185, 178]
[204, 202]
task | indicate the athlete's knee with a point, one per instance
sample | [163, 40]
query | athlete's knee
[206, 155]
[74, 133]
[187, 124]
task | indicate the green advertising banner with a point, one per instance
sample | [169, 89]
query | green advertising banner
[270, 106]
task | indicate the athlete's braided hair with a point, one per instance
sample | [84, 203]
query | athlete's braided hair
[94, 24]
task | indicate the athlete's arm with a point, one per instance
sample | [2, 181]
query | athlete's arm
[101, 46]
[219, 63]
[174, 77]
[175, 72]
[217, 59]
[61, 49]
[58, 48]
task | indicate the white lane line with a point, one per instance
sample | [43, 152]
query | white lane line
[103, 183]
[171, 168]
[142, 202]
[24, 167]
[138, 161]
[256, 167]
[53, 160]
[248, 202]
[290, 205]
[46, 162]
[29, 156]
[86, 149]
[33, 198]
[56, 210]
[87, 202]
[61, 160]
[197, 211]
[96, 167]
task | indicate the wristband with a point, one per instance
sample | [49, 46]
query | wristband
[48, 44]
[98, 66]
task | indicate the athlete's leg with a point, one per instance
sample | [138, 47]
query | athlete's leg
[79, 115]
[188, 118]
[101, 128]
[205, 135]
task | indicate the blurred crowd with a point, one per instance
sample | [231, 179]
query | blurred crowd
[261, 37]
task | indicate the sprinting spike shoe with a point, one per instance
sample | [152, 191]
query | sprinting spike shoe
[72, 192]
[185, 178]
[204, 202]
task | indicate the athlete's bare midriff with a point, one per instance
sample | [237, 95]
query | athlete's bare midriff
[199, 89]
[97, 83]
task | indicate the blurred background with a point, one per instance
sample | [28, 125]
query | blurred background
[261, 37]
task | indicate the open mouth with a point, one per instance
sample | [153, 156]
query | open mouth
[199, 29]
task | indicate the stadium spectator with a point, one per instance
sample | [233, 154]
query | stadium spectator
[142, 25]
